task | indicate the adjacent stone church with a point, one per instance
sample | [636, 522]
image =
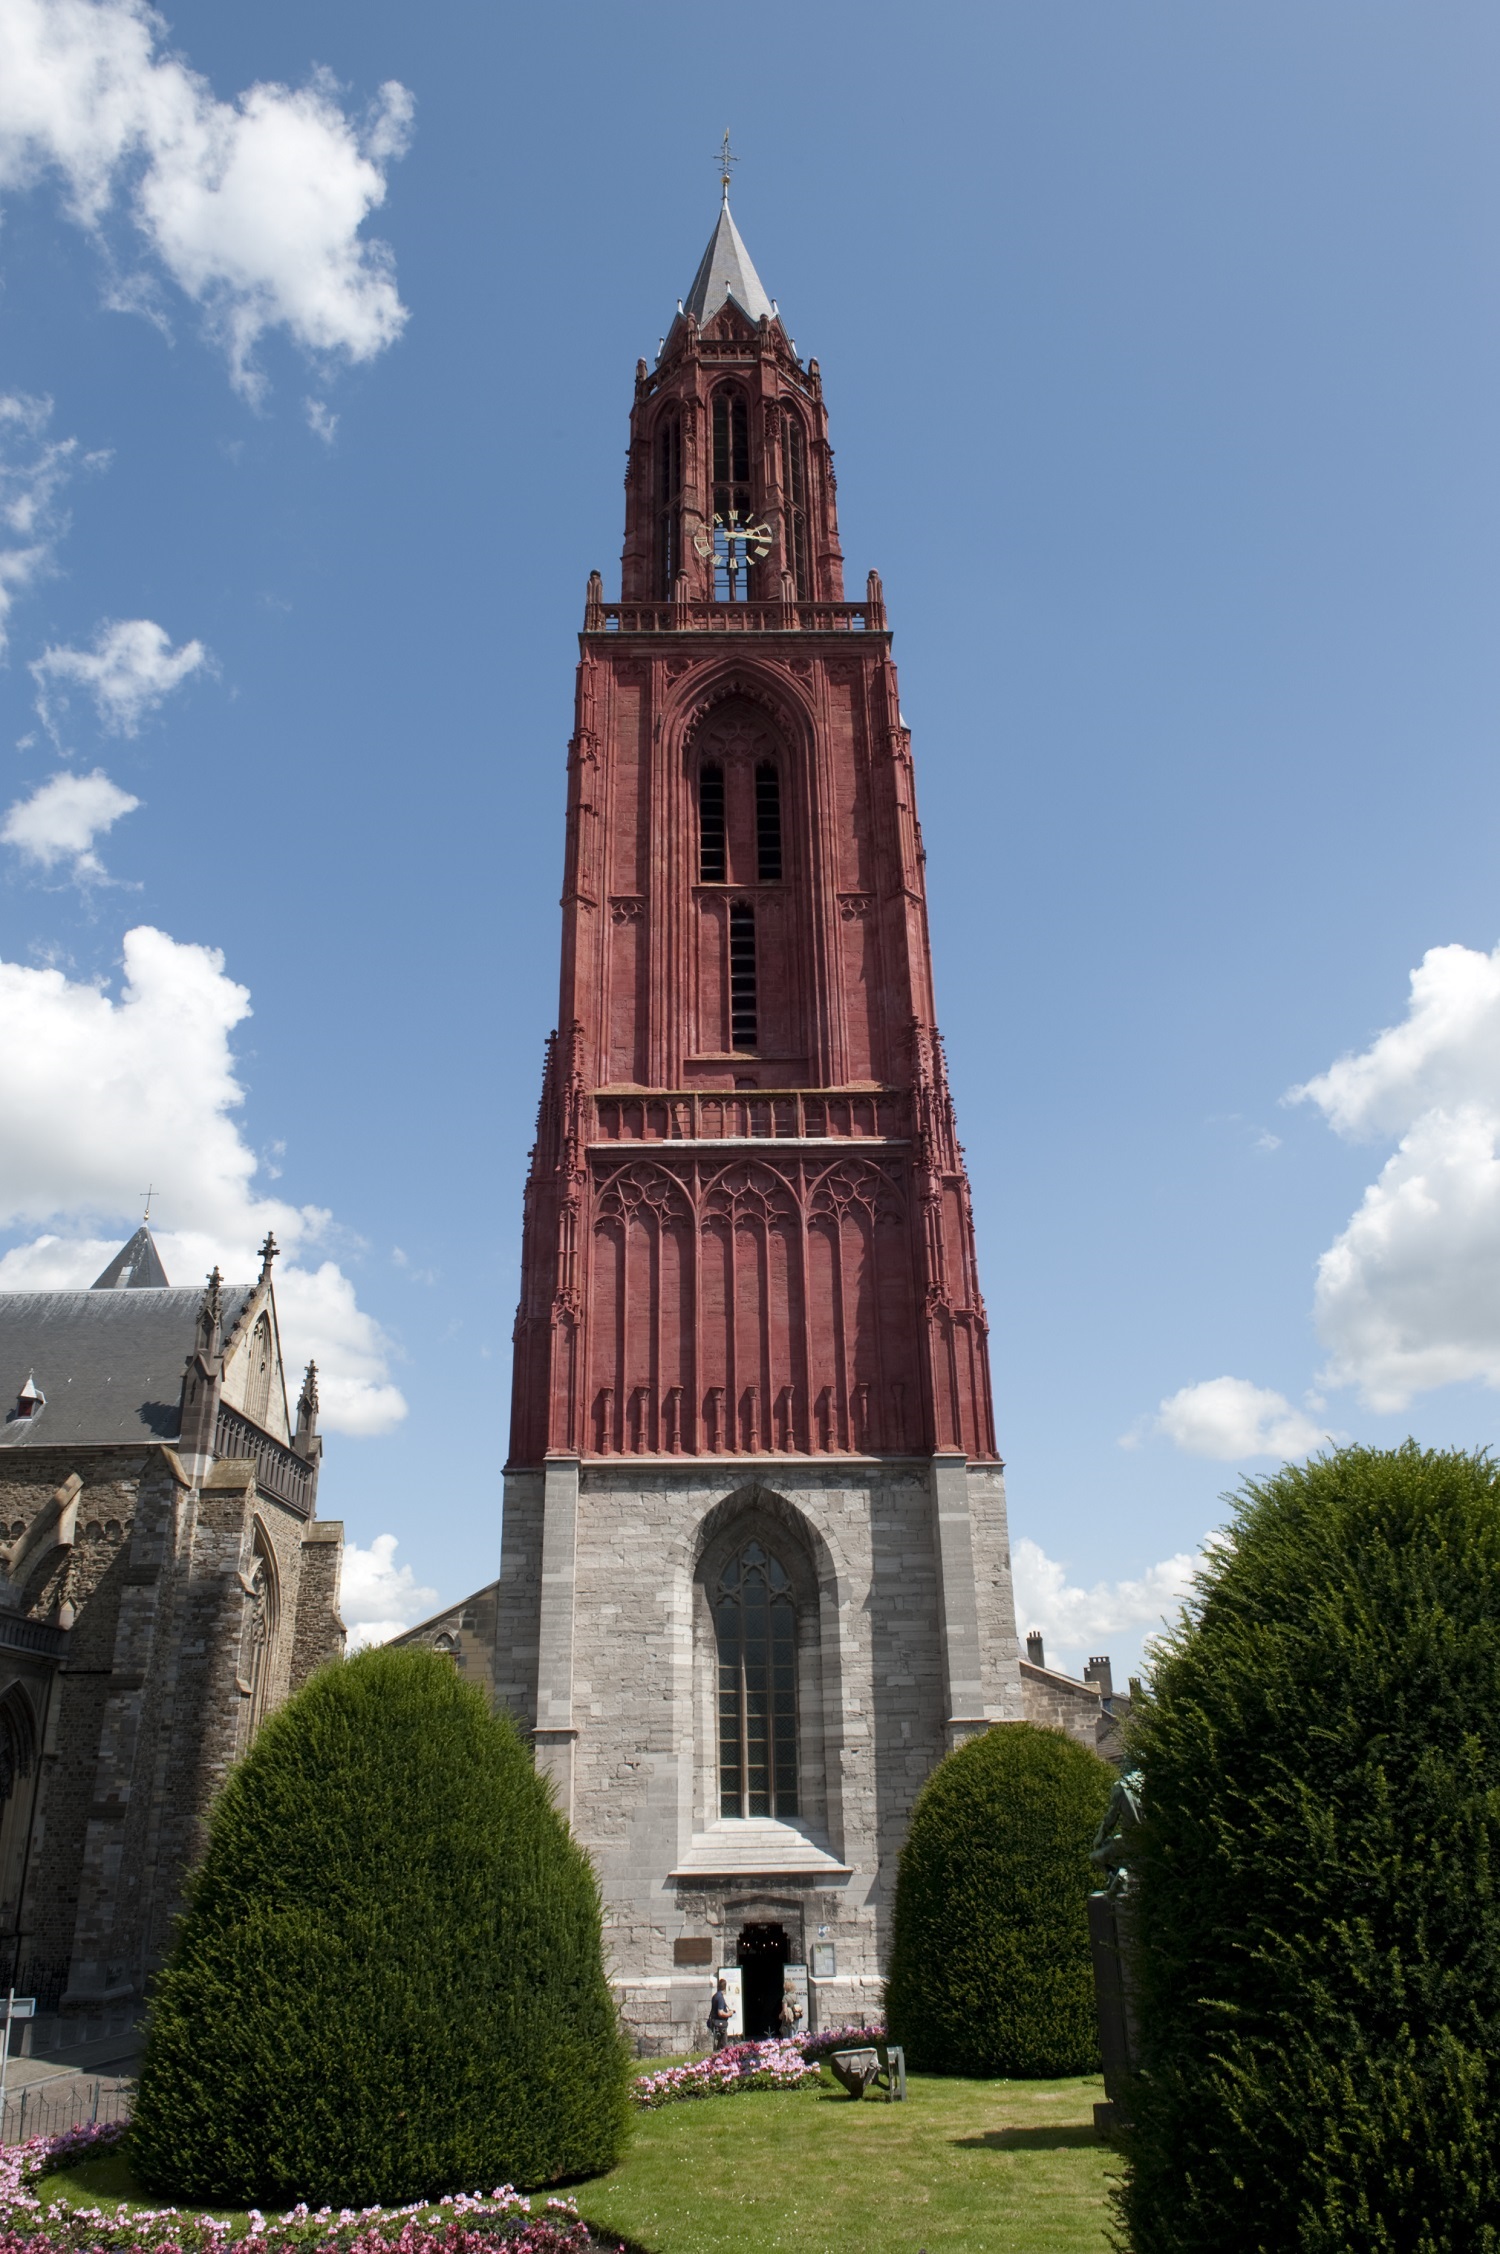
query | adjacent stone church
[164, 1583]
[755, 1576]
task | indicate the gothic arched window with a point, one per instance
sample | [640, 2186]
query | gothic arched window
[258, 1379]
[794, 490]
[668, 501]
[732, 497]
[755, 1623]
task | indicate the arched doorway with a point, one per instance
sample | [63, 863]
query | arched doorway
[761, 1953]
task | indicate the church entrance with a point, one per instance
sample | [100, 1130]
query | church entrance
[762, 1952]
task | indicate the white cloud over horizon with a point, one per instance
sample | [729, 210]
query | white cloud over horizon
[130, 670]
[1229, 1418]
[1408, 1295]
[377, 1597]
[252, 207]
[1077, 1622]
[99, 1096]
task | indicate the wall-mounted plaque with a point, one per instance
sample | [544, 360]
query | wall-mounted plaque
[824, 1961]
[693, 1948]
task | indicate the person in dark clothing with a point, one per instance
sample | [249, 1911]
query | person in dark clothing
[719, 2016]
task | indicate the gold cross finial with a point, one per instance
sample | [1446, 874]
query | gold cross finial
[724, 160]
[150, 1194]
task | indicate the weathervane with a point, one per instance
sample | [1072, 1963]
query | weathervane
[150, 1194]
[724, 160]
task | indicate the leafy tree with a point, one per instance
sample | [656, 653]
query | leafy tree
[990, 1967]
[1316, 1905]
[388, 1981]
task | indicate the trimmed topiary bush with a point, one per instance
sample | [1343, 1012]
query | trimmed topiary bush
[388, 1981]
[990, 1966]
[1316, 1874]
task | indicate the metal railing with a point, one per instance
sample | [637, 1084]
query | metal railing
[43, 2109]
[279, 1471]
[764, 1115]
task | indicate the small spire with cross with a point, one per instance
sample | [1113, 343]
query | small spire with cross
[724, 160]
[150, 1194]
[268, 1252]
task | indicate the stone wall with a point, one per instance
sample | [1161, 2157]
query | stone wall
[466, 1632]
[157, 1590]
[624, 1653]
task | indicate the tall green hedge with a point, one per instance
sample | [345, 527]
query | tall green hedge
[1318, 1874]
[990, 1969]
[388, 1981]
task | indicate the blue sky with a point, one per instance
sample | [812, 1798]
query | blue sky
[1161, 351]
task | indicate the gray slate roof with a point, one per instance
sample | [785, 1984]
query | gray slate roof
[109, 1362]
[724, 271]
[135, 1267]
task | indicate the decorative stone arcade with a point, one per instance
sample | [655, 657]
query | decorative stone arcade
[756, 1577]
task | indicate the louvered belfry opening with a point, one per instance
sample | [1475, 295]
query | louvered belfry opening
[767, 823]
[743, 1022]
[713, 852]
[755, 1621]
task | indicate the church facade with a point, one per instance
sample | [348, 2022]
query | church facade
[755, 1578]
[165, 1583]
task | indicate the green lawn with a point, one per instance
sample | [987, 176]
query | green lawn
[961, 2168]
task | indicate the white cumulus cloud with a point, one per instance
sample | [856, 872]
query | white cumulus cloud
[62, 818]
[130, 670]
[1229, 1418]
[1077, 1622]
[100, 1095]
[1408, 1296]
[253, 207]
[33, 470]
[377, 1597]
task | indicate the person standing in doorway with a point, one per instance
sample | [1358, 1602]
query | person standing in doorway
[791, 2013]
[719, 2016]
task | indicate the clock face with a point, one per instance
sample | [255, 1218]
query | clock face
[735, 543]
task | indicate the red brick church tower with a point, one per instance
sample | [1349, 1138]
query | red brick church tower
[750, 1341]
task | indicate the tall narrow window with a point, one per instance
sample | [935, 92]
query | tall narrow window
[732, 500]
[767, 824]
[668, 498]
[794, 489]
[259, 1376]
[713, 864]
[742, 1025]
[755, 1620]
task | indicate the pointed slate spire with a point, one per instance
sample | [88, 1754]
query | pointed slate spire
[726, 270]
[135, 1267]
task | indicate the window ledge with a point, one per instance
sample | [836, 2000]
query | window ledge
[757, 1847]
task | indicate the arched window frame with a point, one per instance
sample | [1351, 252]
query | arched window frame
[260, 1370]
[666, 475]
[262, 1627]
[733, 491]
[796, 503]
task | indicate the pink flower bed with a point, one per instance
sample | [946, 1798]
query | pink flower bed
[739, 2066]
[829, 2039]
[463, 2223]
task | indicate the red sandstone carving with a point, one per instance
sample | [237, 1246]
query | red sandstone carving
[684, 1293]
